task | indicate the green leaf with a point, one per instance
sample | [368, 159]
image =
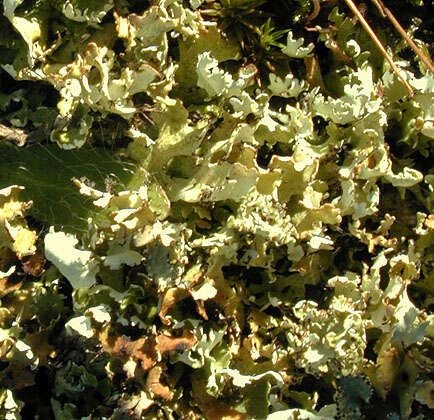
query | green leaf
[46, 172]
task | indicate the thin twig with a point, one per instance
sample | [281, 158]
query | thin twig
[378, 43]
[313, 72]
[385, 12]
[315, 12]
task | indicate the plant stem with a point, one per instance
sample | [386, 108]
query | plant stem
[315, 12]
[385, 12]
[378, 43]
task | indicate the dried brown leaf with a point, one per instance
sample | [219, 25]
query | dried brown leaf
[7, 286]
[35, 265]
[388, 363]
[142, 349]
[170, 299]
[155, 387]
[167, 343]
[40, 346]
[219, 411]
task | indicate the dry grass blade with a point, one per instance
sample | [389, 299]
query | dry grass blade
[378, 43]
[385, 12]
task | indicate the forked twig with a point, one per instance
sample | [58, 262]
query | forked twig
[378, 43]
[385, 12]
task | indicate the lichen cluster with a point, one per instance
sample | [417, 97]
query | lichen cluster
[214, 210]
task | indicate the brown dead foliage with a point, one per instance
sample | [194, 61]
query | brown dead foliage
[7, 286]
[200, 308]
[388, 363]
[210, 408]
[147, 350]
[155, 387]
[40, 346]
[167, 343]
[35, 265]
[218, 411]
[170, 299]
[142, 349]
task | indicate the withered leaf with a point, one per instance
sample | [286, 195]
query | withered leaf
[35, 265]
[171, 297]
[142, 349]
[155, 387]
[167, 343]
[7, 286]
